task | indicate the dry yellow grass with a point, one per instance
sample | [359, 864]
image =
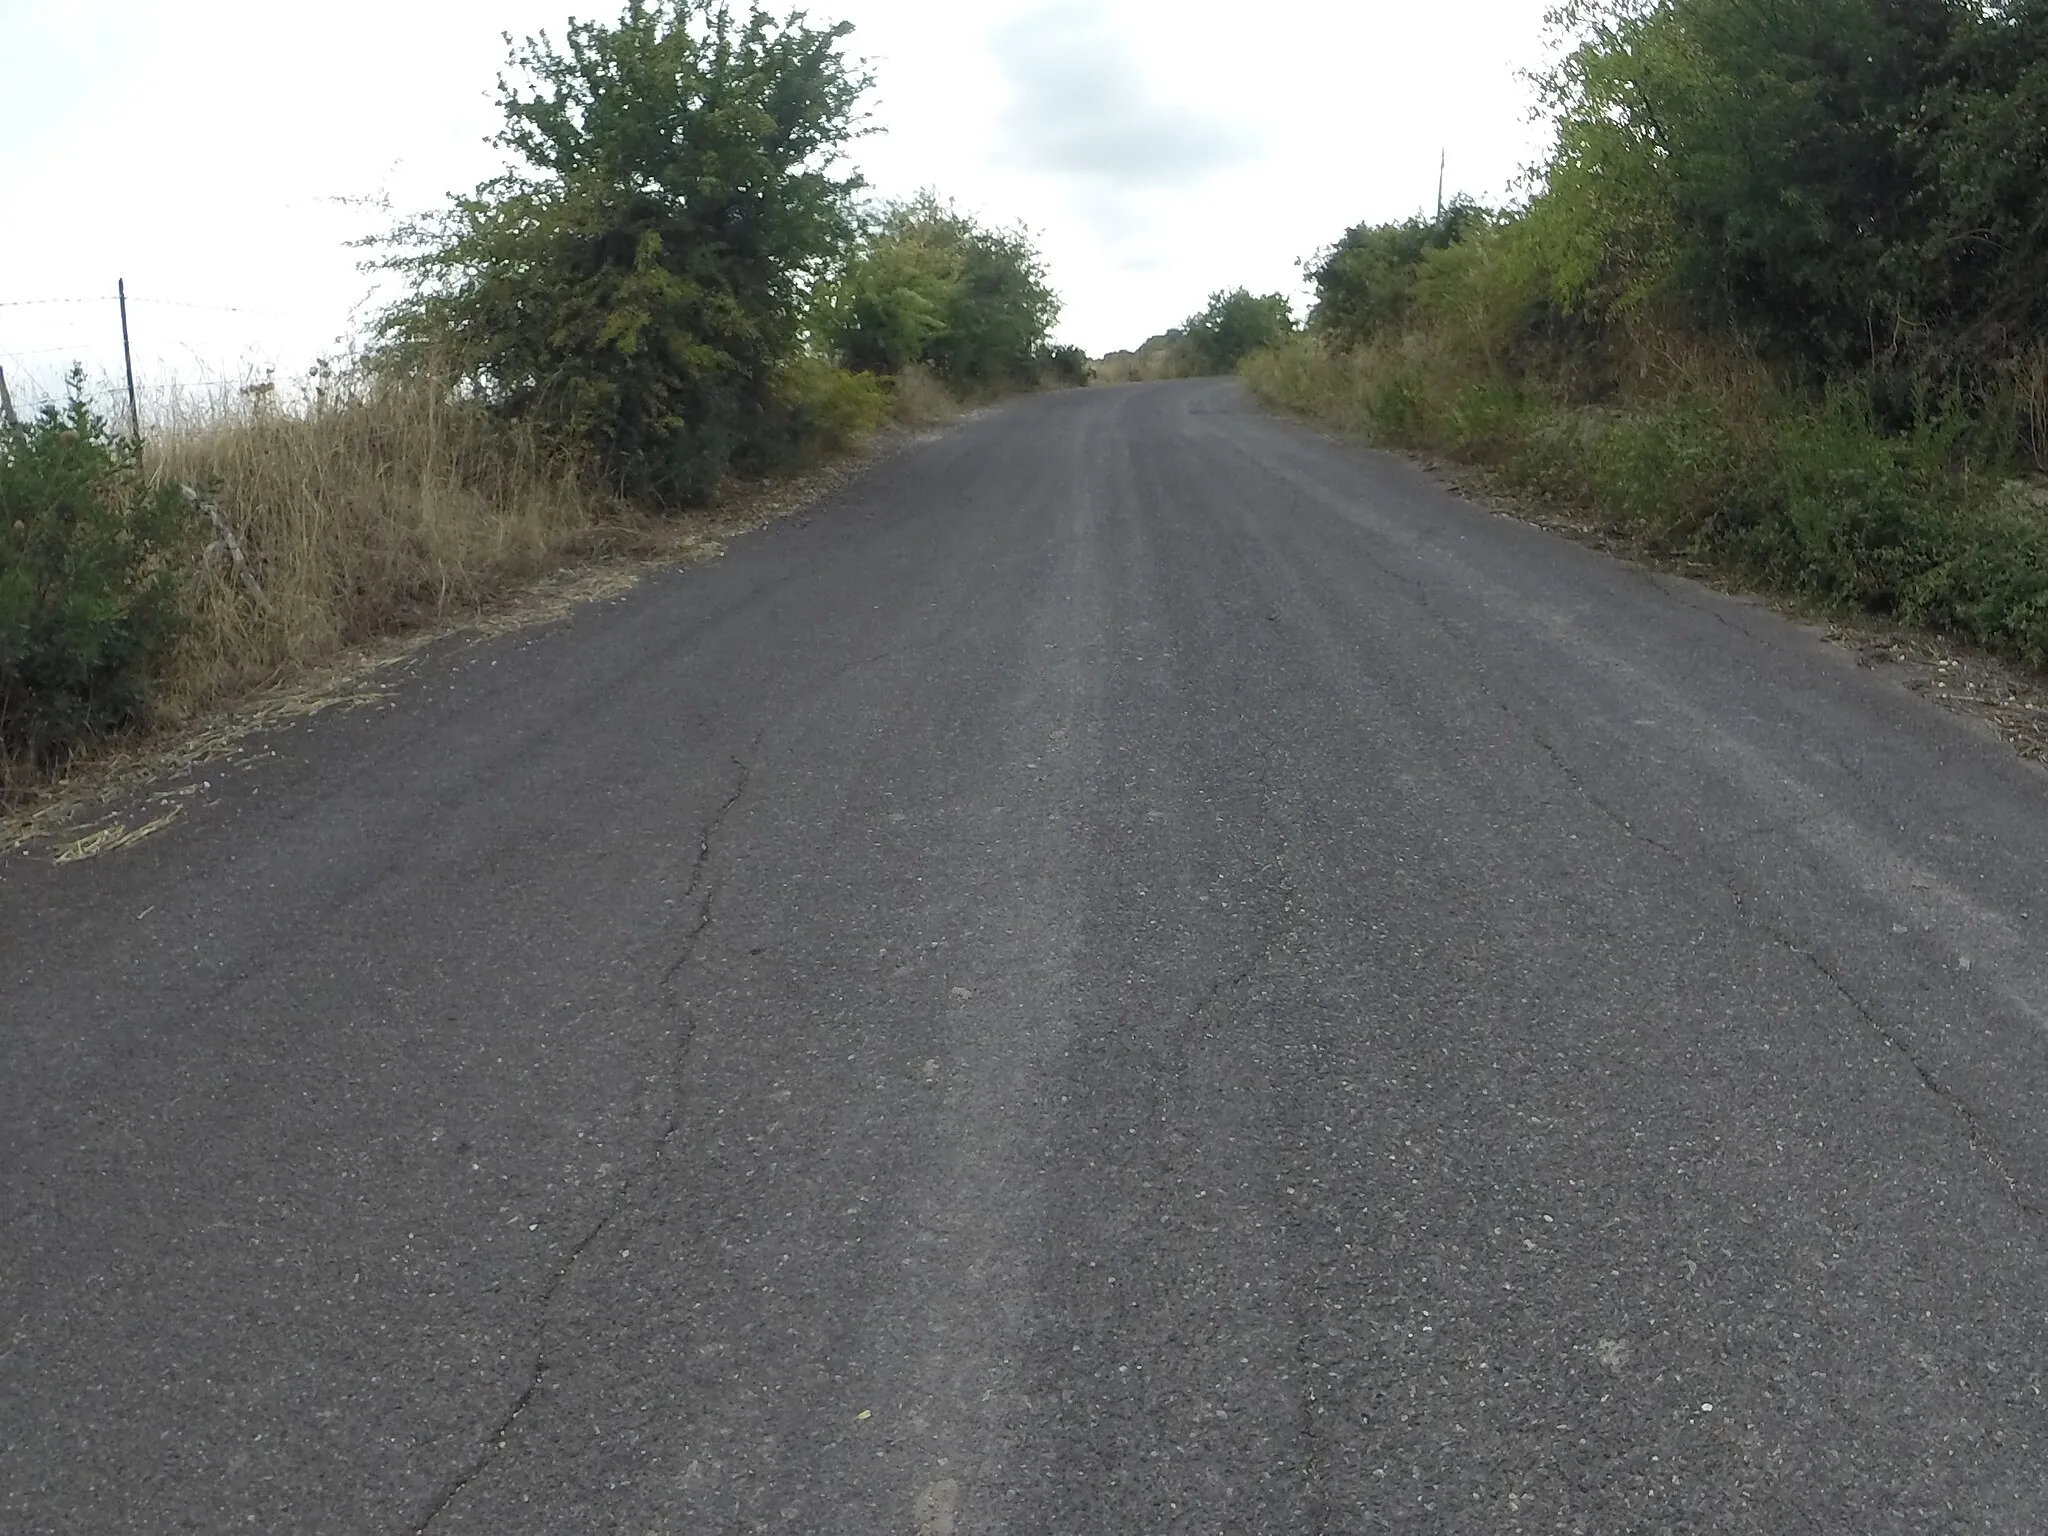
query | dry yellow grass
[369, 525]
[921, 399]
[2027, 379]
[390, 506]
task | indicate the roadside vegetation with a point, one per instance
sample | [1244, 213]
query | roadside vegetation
[1778, 301]
[677, 280]
[1165, 356]
[1215, 340]
[932, 289]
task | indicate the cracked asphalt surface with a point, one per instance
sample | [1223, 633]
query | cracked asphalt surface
[1139, 971]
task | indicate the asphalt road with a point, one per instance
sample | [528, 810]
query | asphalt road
[1138, 971]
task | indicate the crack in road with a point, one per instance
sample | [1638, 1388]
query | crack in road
[1973, 1127]
[495, 1441]
[688, 948]
[1681, 599]
[1571, 776]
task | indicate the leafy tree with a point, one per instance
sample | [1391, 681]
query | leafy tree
[1002, 312]
[1982, 138]
[637, 280]
[90, 555]
[931, 284]
[1366, 282]
[1234, 325]
[1768, 148]
[896, 297]
[1853, 183]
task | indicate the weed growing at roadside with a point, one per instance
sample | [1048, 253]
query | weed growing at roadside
[91, 556]
[1802, 496]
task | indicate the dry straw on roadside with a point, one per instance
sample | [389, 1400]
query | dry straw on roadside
[367, 521]
[381, 506]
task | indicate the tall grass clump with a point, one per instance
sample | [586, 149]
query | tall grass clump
[379, 504]
[258, 535]
[919, 398]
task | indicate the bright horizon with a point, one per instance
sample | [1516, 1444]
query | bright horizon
[221, 157]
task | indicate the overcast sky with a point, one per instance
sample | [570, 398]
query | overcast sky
[221, 154]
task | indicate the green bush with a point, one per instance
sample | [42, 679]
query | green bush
[639, 283]
[1063, 367]
[1366, 283]
[90, 556]
[1234, 325]
[895, 296]
[1487, 420]
[830, 408]
[1813, 498]
[1397, 405]
[932, 285]
[1671, 471]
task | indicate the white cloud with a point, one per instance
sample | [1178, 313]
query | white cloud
[1084, 108]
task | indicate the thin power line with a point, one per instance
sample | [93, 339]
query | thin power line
[70, 346]
[221, 309]
[136, 298]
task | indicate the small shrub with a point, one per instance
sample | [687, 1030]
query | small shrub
[1487, 421]
[918, 399]
[1062, 368]
[1397, 405]
[90, 560]
[1666, 471]
[828, 407]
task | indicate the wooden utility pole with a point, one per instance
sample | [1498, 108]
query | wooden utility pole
[7, 405]
[128, 362]
[1442, 159]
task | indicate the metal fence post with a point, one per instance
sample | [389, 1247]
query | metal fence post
[128, 361]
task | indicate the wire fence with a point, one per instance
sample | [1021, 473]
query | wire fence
[143, 299]
[177, 375]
